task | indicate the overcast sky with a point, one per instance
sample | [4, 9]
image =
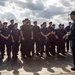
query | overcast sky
[41, 10]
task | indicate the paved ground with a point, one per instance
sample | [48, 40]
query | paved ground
[37, 66]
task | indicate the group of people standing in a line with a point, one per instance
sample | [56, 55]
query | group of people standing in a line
[31, 39]
[45, 39]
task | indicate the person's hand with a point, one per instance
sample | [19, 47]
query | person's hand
[13, 41]
[53, 33]
[57, 37]
[31, 38]
[69, 33]
[19, 41]
[6, 38]
[22, 38]
[63, 37]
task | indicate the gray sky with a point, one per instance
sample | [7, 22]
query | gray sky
[41, 10]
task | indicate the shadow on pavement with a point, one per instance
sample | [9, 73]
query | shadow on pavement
[37, 64]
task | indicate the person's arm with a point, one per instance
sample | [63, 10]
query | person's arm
[22, 35]
[73, 31]
[42, 34]
[65, 34]
[19, 36]
[48, 34]
[12, 38]
[3, 36]
[19, 39]
[0, 31]
[8, 36]
[32, 35]
[56, 34]
[52, 32]
[56, 37]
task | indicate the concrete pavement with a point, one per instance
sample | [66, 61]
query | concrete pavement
[37, 66]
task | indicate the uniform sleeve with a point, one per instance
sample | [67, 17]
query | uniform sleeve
[56, 31]
[31, 28]
[48, 30]
[21, 28]
[66, 28]
[42, 30]
[65, 31]
[72, 31]
[19, 32]
[9, 32]
[0, 31]
[38, 29]
[10, 27]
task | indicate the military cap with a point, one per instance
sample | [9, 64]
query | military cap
[5, 23]
[11, 20]
[72, 13]
[35, 22]
[44, 22]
